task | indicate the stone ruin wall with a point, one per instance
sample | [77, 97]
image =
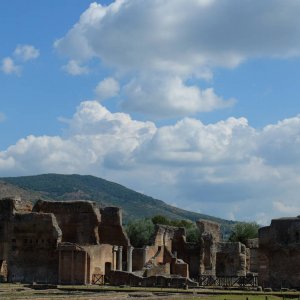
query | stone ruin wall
[78, 220]
[111, 230]
[33, 256]
[231, 259]
[279, 254]
[29, 239]
[210, 237]
[252, 255]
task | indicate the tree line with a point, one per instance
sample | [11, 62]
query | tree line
[141, 231]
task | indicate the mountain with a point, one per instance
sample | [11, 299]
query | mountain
[106, 193]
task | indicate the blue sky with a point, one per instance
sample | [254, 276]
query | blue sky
[193, 102]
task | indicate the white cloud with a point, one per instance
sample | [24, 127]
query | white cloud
[74, 68]
[182, 40]
[2, 117]
[225, 169]
[22, 53]
[9, 66]
[107, 88]
[26, 52]
[170, 96]
[181, 36]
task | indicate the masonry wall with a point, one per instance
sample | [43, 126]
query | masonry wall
[279, 254]
[138, 259]
[33, 256]
[78, 220]
[8, 208]
[110, 229]
[252, 245]
[231, 259]
[210, 237]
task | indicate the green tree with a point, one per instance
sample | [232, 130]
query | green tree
[192, 234]
[243, 231]
[140, 232]
[159, 219]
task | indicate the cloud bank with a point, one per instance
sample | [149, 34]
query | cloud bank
[227, 168]
[165, 43]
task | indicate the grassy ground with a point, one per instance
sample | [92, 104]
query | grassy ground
[18, 291]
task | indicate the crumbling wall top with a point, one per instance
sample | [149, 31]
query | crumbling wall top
[78, 220]
[110, 229]
[252, 243]
[209, 228]
[10, 205]
[165, 234]
[283, 231]
[111, 216]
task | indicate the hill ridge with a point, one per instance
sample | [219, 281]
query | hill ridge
[106, 193]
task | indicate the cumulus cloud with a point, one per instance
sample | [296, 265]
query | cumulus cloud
[26, 52]
[74, 68]
[107, 88]
[22, 54]
[10, 67]
[159, 96]
[182, 36]
[225, 168]
[177, 40]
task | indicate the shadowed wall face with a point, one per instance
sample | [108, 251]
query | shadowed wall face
[110, 229]
[279, 253]
[231, 259]
[78, 220]
[33, 256]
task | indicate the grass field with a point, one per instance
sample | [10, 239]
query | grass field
[18, 291]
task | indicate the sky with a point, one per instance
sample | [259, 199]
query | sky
[192, 102]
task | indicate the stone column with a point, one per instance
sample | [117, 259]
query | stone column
[114, 258]
[129, 258]
[146, 248]
[120, 258]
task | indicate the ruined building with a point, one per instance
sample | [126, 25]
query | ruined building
[60, 242]
[279, 254]
[75, 242]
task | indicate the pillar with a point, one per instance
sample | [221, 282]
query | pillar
[114, 258]
[129, 258]
[146, 248]
[120, 258]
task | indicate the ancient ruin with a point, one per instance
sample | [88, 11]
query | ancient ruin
[76, 242]
[279, 254]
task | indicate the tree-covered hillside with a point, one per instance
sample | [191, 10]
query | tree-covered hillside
[106, 193]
